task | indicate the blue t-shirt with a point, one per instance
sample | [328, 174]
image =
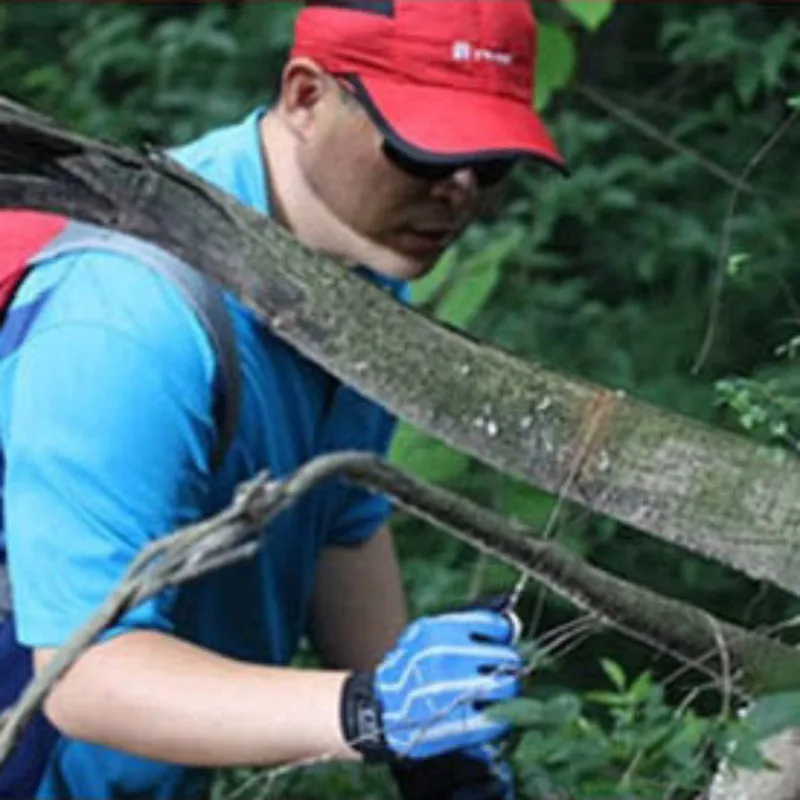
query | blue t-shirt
[107, 428]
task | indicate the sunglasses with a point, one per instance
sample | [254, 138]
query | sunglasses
[487, 173]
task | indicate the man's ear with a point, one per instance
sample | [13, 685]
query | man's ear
[304, 87]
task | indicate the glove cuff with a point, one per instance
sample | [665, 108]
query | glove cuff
[362, 718]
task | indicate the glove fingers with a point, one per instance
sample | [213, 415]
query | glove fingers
[483, 624]
[453, 698]
[435, 661]
[433, 688]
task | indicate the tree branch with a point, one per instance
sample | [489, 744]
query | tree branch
[706, 490]
[760, 664]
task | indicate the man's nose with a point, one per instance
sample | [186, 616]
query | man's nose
[460, 189]
[466, 179]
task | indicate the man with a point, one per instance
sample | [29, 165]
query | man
[393, 120]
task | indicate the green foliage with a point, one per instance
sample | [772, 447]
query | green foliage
[623, 741]
[476, 278]
[774, 713]
[628, 742]
[762, 65]
[763, 407]
[144, 73]
[426, 457]
[555, 64]
[590, 13]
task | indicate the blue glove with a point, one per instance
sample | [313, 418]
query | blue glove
[429, 694]
[477, 773]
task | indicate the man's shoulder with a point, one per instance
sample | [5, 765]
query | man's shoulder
[119, 296]
[230, 157]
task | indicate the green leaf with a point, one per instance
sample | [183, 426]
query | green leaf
[425, 288]
[777, 53]
[794, 102]
[610, 699]
[774, 713]
[590, 13]
[615, 673]
[470, 292]
[425, 457]
[525, 503]
[686, 740]
[742, 749]
[641, 687]
[555, 62]
[525, 712]
[735, 264]
[747, 81]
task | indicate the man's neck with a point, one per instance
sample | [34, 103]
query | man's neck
[272, 145]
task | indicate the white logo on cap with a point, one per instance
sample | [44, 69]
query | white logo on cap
[464, 51]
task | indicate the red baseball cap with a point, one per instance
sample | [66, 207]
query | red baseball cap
[444, 80]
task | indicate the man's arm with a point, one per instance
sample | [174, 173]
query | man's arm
[150, 694]
[359, 608]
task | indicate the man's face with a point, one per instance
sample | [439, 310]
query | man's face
[392, 220]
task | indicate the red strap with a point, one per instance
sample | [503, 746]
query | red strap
[22, 234]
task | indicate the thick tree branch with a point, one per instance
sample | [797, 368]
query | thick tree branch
[758, 664]
[706, 490]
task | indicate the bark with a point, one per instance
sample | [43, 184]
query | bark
[779, 782]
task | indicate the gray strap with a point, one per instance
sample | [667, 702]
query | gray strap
[204, 297]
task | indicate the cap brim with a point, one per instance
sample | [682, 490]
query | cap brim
[436, 124]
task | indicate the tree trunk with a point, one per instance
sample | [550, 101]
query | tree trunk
[781, 782]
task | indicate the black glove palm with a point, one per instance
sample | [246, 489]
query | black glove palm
[454, 776]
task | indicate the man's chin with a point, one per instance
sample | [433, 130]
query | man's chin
[402, 267]
[394, 262]
[410, 267]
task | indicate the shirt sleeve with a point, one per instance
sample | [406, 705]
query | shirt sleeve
[107, 443]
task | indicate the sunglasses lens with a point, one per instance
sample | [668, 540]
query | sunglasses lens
[490, 173]
[487, 173]
[418, 169]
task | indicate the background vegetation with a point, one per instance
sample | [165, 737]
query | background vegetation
[665, 266]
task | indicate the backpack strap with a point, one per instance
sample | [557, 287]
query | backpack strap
[204, 297]
[5, 593]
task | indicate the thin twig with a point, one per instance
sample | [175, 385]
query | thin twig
[727, 236]
[652, 132]
[593, 426]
